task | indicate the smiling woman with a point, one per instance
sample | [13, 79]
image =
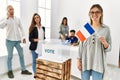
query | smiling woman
[94, 49]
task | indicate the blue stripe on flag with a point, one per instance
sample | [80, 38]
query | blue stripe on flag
[89, 28]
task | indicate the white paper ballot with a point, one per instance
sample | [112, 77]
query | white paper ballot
[22, 44]
[39, 49]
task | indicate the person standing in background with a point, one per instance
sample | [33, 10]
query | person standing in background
[13, 39]
[92, 52]
[64, 29]
[36, 34]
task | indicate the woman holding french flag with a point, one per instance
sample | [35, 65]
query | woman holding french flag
[92, 50]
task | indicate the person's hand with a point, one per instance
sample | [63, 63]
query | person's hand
[62, 37]
[74, 44]
[103, 41]
[66, 34]
[8, 15]
[79, 64]
[24, 40]
[36, 40]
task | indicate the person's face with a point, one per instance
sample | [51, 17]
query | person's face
[64, 21]
[37, 19]
[10, 10]
[95, 14]
[72, 34]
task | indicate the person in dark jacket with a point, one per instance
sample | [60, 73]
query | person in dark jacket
[36, 34]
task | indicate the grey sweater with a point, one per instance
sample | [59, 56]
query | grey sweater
[92, 52]
[64, 30]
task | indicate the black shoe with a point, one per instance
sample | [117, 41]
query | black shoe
[34, 76]
[26, 72]
[10, 74]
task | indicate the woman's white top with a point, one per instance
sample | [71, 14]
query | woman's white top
[41, 38]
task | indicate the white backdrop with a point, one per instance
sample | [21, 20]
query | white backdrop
[77, 13]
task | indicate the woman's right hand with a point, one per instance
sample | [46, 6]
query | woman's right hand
[36, 40]
[62, 37]
[79, 64]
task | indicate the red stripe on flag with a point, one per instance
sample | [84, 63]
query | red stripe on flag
[80, 36]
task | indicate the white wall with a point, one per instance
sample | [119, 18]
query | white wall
[55, 18]
[28, 8]
[77, 13]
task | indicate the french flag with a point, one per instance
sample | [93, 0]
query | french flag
[85, 32]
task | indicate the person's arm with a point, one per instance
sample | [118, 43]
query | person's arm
[44, 31]
[79, 58]
[61, 33]
[106, 41]
[31, 39]
[109, 41]
[3, 23]
[33, 36]
[68, 31]
[22, 32]
[75, 41]
[79, 64]
[60, 30]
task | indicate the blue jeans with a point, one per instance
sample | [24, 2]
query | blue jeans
[34, 57]
[10, 46]
[95, 75]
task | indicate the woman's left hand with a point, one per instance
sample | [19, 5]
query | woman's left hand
[103, 41]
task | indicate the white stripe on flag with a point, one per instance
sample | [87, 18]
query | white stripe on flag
[84, 32]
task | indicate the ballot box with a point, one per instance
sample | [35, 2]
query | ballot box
[60, 50]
